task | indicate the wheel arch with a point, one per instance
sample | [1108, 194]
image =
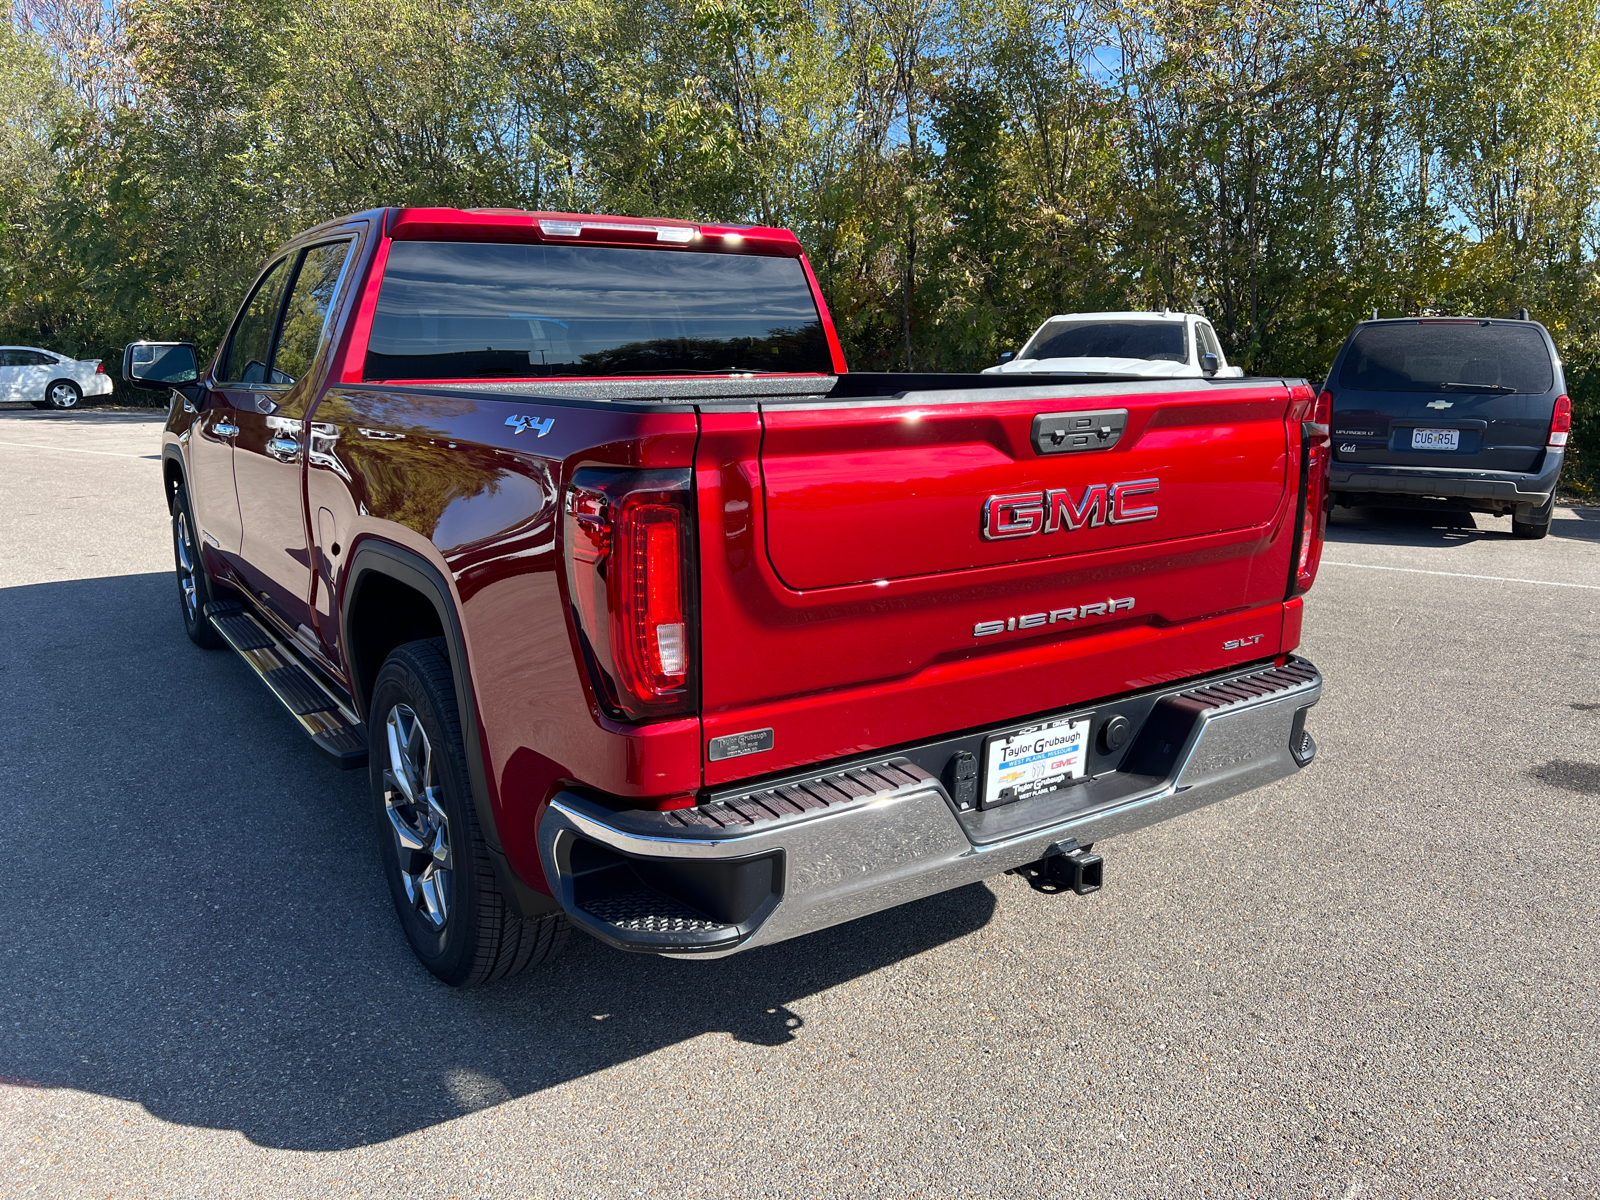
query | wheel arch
[172, 477]
[392, 596]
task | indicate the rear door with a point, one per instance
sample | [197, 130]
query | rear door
[1445, 392]
[270, 450]
[34, 371]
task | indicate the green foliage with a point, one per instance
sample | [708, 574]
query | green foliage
[958, 169]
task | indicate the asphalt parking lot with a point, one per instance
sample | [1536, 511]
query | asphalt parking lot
[1379, 978]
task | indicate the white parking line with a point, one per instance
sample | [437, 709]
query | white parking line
[77, 450]
[1463, 575]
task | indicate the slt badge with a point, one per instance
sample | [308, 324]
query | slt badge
[520, 424]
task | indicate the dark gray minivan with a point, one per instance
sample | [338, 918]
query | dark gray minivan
[1455, 412]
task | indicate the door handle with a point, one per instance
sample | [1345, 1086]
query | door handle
[284, 449]
[225, 429]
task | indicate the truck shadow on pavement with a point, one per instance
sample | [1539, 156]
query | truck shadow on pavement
[199, 925]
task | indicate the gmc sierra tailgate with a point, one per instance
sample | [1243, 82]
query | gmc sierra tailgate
[892, 569]
[971, 481]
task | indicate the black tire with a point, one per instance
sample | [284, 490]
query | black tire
[62, 394]
[462, 929]
[1538, 524]
[194, 581]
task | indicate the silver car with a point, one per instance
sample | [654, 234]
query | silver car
[48, 380]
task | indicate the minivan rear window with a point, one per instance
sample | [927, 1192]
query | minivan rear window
[1435, 357]
[470, 310]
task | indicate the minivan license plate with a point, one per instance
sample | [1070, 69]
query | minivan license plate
[1436, 439]
[1035, 760]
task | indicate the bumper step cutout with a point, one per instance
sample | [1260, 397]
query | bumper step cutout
[648, 911]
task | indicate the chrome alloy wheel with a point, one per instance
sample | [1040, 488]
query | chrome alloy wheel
[63, 395]
[412, 800]
[183, 544]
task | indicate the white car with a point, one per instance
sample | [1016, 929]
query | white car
[1149, 345]
[48, 380]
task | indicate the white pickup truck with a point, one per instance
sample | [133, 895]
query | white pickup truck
[1142, 345]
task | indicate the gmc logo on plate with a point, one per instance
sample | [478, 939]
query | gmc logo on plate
[1023, 514]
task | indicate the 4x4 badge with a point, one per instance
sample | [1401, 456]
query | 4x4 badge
[520, 424]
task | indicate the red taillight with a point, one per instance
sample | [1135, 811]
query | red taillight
[1314, 514]
[1560, 423]
[653, 658]
[627, 556]
[99, 368]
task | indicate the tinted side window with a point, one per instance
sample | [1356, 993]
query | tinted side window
[252, 338]
[1429, 357]
[1208, 340]
[307, 312]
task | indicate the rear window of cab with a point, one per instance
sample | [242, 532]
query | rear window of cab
[474, 310]
[1427, 356]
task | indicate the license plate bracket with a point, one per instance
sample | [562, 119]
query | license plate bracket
[1031, 762]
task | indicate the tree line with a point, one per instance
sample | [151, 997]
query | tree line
[958, 169]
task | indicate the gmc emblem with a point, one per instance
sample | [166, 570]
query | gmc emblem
[1023, 514]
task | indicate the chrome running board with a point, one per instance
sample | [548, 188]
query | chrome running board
[326, 719]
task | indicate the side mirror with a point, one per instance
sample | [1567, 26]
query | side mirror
[158, 366]
[1006, 356]
[1209, 364]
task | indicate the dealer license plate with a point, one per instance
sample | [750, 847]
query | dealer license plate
[1436, 439]
[1035, 760]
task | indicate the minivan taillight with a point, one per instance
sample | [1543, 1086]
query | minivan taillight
[626, 545]
[1560, 423]
[1314, 515]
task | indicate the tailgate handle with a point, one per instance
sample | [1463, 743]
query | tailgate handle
[1074, 432]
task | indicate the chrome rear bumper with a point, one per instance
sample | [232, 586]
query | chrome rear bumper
[793, 856]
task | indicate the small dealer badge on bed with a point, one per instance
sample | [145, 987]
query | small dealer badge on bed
[1036, 760]
[735, 745]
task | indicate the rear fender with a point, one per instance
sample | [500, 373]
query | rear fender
[374, 557]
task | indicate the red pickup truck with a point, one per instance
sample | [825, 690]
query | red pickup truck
[647, 616]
